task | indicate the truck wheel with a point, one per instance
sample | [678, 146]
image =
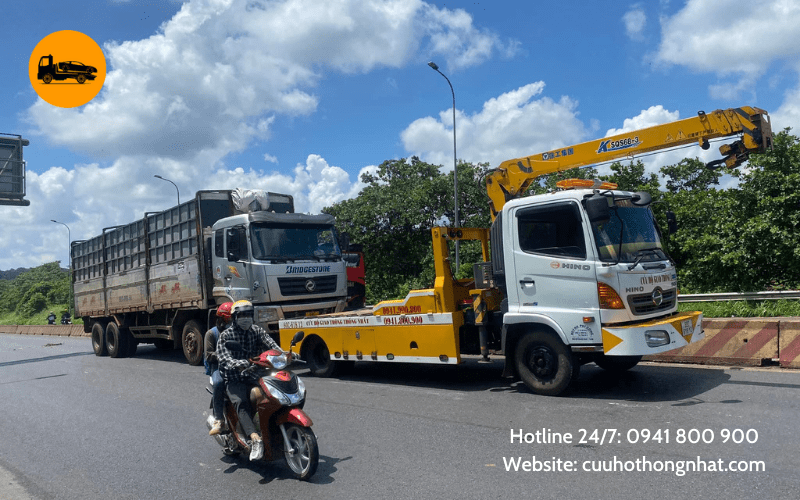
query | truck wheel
[617, 364]
[192, 340]
[47, 78]
[81, 79]
[318, 358]
[99, 340]
[544, 363]
[116, 342]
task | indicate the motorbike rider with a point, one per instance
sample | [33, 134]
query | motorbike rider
[252, 340]
[211, 363]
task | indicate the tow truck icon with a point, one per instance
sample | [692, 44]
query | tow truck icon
[63, 70]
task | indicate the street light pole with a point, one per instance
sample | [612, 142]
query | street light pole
[176, 186]
[69, 248]
[455, 164]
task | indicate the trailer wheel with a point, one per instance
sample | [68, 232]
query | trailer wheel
[81, 79]
[617, 364]
[192, 340]
[47, 78]
[116, 341]
[318, 357]
[99, 340]
[544, 363]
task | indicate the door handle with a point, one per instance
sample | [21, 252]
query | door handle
[526, 281]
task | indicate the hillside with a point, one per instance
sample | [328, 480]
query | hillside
[28, 295]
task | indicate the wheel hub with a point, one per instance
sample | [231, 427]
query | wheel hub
[543, 362]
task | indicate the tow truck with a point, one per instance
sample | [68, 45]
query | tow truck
[567, 278]
[48, 71]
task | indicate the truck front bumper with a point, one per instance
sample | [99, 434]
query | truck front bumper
[653, 337]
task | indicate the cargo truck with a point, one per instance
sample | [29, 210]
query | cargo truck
[570, 277]
[159, 280]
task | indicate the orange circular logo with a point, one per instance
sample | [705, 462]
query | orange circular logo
[67, 69]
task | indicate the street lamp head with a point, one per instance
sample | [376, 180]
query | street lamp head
[433, 65]
[158, 177]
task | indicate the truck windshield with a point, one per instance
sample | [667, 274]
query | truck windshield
[635, 229]
[284, 242]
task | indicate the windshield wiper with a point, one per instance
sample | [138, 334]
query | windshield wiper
[640, 255]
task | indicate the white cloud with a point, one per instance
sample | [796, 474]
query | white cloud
[212, 81]
[736, 40]
[635, 21]
[788, 114]
[654, 115]
[88, 198]
[511, 125]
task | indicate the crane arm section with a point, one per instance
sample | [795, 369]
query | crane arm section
[513, 177]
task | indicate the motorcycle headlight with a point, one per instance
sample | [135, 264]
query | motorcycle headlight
[279, 362]
[278, 394]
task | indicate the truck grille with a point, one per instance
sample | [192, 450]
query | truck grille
[644, 304]
[307, 286]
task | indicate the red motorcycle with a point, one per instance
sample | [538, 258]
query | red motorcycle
[278, 396]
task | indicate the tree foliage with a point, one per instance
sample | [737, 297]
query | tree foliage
[393, 215]
[34, 290]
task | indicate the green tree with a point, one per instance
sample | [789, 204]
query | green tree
[765, 240]
[393, 215]
[690, 174]
[739, 239]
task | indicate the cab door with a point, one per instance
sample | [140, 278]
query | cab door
[554, 276]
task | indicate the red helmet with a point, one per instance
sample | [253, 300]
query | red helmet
[224, 311]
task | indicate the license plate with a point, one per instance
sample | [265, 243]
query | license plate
[686, 327]
[312, 313]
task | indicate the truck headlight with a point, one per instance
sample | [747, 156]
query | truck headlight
[656, 338]
[267, 314]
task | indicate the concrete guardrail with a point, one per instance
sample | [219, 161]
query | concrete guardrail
[729, 341]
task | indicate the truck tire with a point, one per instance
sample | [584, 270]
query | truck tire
[116, 341]
[47, 78]
[617, 364]
[99, 340]
[81, 79]
[318, 357]
[544, 363]
[192, 341]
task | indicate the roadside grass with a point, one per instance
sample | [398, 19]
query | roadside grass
[744, 308]
[40, 318]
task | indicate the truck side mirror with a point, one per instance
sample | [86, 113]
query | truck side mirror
[672, 222]
[597, 209]
[641, 198]
[344, 242]
[236, 244]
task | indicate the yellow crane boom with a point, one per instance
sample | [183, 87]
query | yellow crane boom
[513, 177]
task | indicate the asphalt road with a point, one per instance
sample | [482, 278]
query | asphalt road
[80, 426]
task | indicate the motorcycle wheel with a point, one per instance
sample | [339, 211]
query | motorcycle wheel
[305, 458]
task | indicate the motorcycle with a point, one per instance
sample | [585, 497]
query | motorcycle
[278, 397]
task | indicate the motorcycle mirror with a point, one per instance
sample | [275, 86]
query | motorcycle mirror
[298, 337]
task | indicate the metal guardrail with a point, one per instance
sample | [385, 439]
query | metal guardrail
[720, 297]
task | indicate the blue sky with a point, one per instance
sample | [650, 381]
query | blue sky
[301, 96]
